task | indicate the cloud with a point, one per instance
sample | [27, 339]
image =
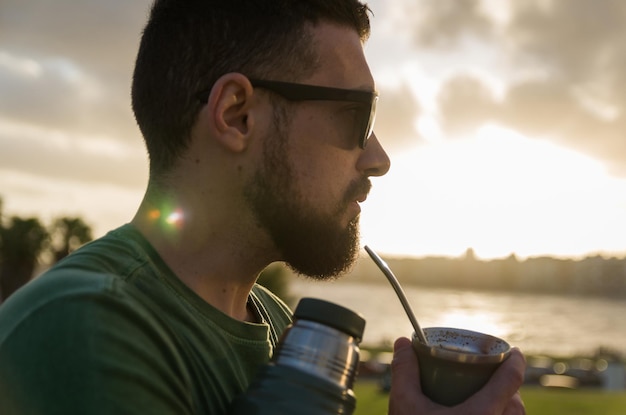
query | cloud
[65, 74]
[66, 64]
[552, 110]
[99, 34]
[442, 23]
[397, 111]
[465, 104]
[578, 40]
[563, 63]
[57, 154]
[56, 93]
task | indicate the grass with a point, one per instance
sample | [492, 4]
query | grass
[573, 402]
[538, 401]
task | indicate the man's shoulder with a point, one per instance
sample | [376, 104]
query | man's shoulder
[118, 252]
[57, 294]
[100, 268]
[92, 278]
[88, 332]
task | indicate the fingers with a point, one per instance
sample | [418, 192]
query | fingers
[501, 394]
[405, 382]
[515, 406]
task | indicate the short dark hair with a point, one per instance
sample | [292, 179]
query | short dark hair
[188, 44]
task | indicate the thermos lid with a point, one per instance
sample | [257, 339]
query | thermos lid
[332, 315]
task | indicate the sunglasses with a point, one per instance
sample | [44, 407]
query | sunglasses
[301, 92]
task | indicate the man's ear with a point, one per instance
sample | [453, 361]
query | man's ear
[229, 106]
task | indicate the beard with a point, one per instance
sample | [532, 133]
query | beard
[312, 243]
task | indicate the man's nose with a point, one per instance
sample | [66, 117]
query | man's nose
[374, 161]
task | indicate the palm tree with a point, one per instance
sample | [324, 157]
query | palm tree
[67, 235]
[21, 243]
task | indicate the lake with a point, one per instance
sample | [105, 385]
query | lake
[537, 323]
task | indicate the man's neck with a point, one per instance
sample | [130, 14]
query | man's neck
[204, 251]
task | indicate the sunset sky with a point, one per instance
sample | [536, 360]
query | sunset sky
[505, 121]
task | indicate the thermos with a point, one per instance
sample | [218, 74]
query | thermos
[313, 369]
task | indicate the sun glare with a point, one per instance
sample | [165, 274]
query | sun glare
[481, 321]
[497, 192]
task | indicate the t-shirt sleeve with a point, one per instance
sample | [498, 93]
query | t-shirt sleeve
[91, 349]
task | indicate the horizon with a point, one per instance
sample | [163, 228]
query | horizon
[519, 258]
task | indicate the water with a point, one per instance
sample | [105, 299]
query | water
[538, 324]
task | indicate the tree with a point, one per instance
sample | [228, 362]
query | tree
[21, 243]
[67, 235]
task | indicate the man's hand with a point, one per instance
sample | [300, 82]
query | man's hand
[500, 396]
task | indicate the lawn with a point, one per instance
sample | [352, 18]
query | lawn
[539, 401]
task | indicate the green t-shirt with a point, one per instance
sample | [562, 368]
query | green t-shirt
[111, 330]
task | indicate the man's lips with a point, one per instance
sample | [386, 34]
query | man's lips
[360, 190]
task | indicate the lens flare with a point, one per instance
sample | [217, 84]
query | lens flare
[168, 218]
[154, 214]
[175, 218]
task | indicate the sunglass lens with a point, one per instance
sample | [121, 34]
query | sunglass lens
[369, 125]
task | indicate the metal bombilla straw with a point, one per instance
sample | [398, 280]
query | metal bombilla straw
[400, 292]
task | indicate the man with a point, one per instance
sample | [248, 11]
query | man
[257, 117]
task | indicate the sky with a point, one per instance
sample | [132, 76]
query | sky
[505, 121]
